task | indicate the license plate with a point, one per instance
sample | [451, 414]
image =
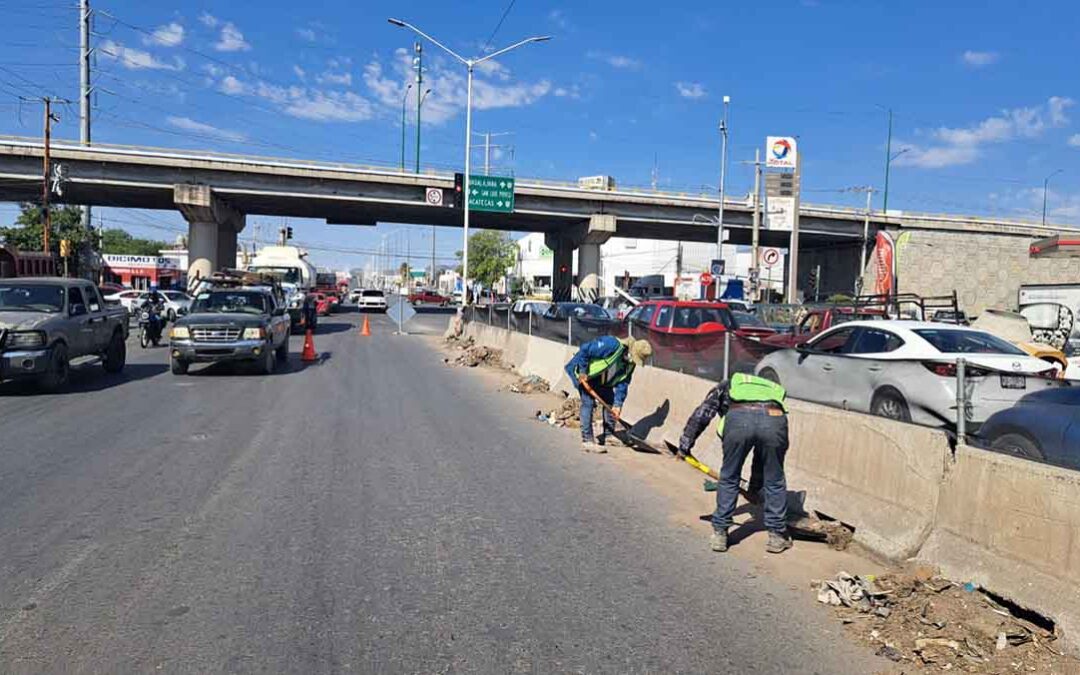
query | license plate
[1013, 382]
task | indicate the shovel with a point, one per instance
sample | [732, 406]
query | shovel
[628, 437]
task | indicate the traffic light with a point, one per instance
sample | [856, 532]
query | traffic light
[288, 233]
[564, 269]
[459, 190]
[65, 248]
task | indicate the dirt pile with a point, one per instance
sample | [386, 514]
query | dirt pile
[568, 414]
[531, 384]
[475, 355]
[925, 622]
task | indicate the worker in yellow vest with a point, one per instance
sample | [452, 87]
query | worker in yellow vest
[606, 364]
[752, 416]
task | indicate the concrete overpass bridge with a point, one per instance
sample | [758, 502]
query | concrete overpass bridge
[216, 191]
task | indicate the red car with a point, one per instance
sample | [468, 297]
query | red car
[323, 304]
[427, 297]
[688, 335]
[821, 319]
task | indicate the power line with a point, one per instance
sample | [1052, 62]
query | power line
[505, 13]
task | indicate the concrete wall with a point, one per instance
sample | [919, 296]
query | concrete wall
[1009, 525]
[985, 269]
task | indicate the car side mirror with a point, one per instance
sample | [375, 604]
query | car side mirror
[804, 350]
[78, 309]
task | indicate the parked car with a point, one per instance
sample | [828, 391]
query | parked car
[176, 302]
[428, 297]
[688, 335]
[372, 299]
[530, 306]
[1044, 426]
[815, 320]
[230, 325]
[109, 288]
[955, 317]
[1014, 327]
[46, 323]
[577, 310]
[906, 370]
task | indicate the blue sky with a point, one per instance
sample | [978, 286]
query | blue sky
[983, 100]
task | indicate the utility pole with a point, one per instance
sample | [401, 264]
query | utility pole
[419, 61]
[793, 248]
[723, 172]
[84, 88]
[487, 136]
[865, 239]
[1046, 188]
[888, 161]
[655, 171]
[46, 216]
[404, 100]
[754, 254]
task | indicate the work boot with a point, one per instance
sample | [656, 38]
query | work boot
[778, 542]
[591, 446]
[718, 541]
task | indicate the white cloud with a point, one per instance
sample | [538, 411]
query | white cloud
[979, 59]
[299, 72]
[963, 145]
[136, 59]
[573, 92]
[593, 136]
[615, 60]
[558, 17]
[1074, 141]
[209, 20]
[231, 85]
[692, 90]
[231, 40]
[495, 69]
[306, 34]
[447, 98]
[188, 124]
[340, 79]
[309, 103]
[169, 35]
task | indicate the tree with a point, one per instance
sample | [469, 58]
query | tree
[120, 242]
[27, 233]
[490, 255]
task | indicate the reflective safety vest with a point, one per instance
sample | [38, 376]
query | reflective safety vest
[745, 388]
[611, 370]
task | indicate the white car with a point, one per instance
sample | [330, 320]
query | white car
[175, 301]
[906, 370]
[371, 299]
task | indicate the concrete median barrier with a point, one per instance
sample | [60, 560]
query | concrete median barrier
[1009, 525]
[1012, 526]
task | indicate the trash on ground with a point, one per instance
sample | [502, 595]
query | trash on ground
[568, 415]
[930, 623]
[475, 355]
[531, 384]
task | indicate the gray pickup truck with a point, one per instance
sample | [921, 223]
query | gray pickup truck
[48, 323]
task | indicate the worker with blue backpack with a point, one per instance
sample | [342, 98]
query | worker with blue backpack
[752, 417]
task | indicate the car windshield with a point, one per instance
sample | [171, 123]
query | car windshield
[747, 320]
[583, 310]
[231, 302]
[285, 275]
[373, 294]
[31, 298]
[952, 341]
[175, 295]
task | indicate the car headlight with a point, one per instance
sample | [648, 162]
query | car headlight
[27, 339]
[180, 333]
[254, 334]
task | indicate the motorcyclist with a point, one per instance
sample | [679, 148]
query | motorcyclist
[151, 317]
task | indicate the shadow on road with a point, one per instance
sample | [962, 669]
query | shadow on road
[87, 378]
[324, 328]
[250, 369]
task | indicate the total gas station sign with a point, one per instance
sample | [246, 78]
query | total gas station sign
[781, 152]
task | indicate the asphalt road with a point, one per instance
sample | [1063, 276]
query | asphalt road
[375, 512]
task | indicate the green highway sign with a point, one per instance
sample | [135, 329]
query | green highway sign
[491, 193]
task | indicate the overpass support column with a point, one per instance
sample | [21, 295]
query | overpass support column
[562, 265]
[601, 227]
[212, 229]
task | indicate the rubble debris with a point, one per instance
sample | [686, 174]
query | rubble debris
[475, 355]
[567, 415]
[933, 624]
[532, 384]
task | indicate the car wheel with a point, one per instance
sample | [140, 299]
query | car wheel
[770, 375]
[266, 364]
[59, 370]
[115, 354]
[179, 367]
[282, 352]
[1017, 445]
[171, 315]
[890, 404]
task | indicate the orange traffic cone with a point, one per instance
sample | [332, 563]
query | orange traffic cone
[365, 330]
[309, 354]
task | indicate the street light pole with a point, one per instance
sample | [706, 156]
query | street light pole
[404, 100]
[888, 161]
[723, 172]
[469, 64]
[1046, 187]
[419, 97]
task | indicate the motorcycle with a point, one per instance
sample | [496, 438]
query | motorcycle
[151, 326]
